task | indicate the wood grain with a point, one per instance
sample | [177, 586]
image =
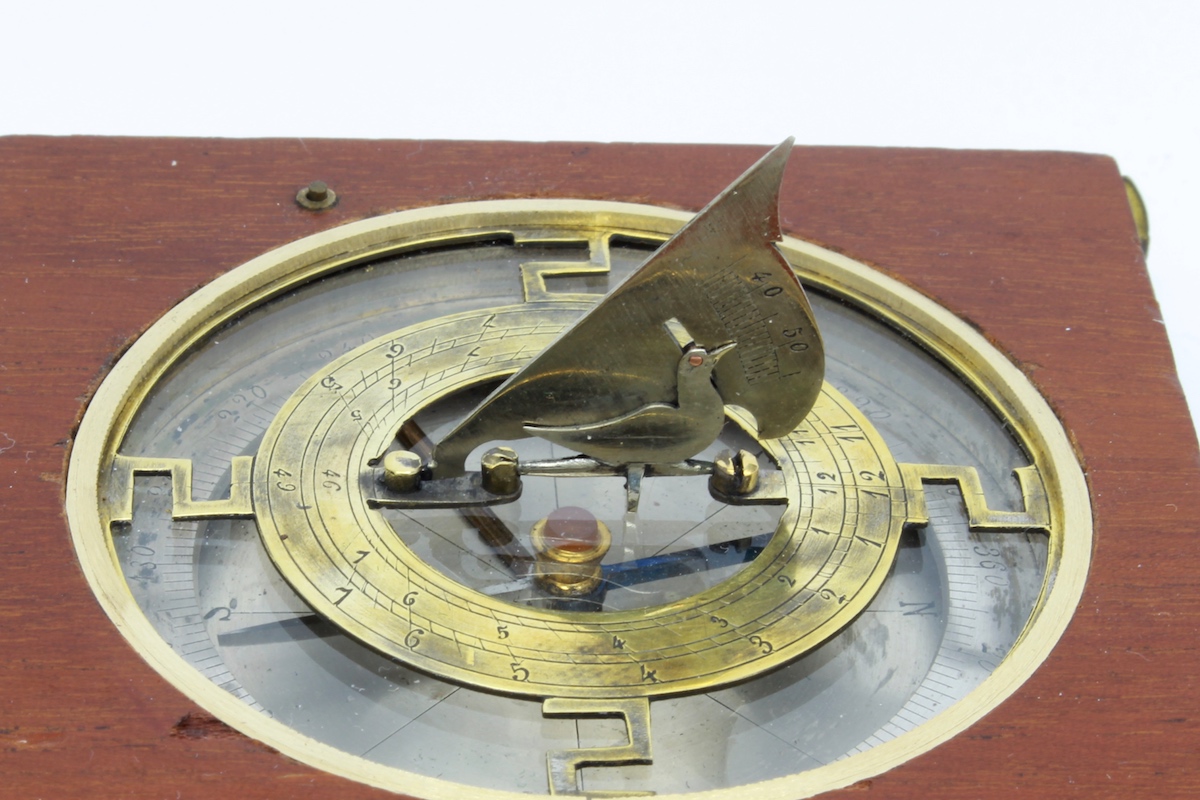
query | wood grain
[99, 237]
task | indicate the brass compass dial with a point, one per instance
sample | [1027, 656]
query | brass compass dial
[908, 554]
[845, 499]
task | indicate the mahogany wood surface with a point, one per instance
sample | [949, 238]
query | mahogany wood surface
[99, 237]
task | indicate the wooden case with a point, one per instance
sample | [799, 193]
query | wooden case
[99, 237]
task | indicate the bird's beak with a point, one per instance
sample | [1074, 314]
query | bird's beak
[722, 350]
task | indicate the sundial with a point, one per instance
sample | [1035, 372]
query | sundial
[578, 497]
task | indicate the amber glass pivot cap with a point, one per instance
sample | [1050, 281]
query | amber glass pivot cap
[569, 545]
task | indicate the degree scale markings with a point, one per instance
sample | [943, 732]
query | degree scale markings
[336, 555]
[794, 595]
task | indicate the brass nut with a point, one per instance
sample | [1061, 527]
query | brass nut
[402, 471]
[500, 473]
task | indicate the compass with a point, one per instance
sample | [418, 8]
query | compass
[576, 497]
[433, 491]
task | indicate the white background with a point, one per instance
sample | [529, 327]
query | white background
[1096, 76]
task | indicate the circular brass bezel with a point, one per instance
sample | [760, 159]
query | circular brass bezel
[990, 374]
[822, 567]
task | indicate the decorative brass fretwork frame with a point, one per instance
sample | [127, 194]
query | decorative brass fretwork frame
[992, 377]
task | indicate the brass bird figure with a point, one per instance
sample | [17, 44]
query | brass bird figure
[719, 280]
[656, 432]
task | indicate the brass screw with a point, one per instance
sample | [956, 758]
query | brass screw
[735, 474]
[1141, 219]
[316, 196]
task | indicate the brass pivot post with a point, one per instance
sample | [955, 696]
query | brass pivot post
[569, 545]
